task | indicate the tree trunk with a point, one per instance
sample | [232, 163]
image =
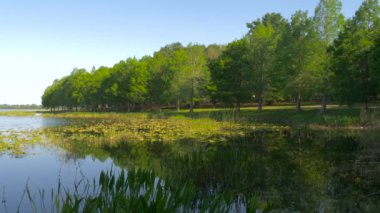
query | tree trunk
[191, 105]
[366, 108]
[178, 105]
[324, 96]
[192, 97]
[237, 107]
[324, 103]
[260, 106]
[298, 104]
[213, 104]
[260, 88]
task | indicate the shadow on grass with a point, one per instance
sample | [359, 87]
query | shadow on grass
[339, 116]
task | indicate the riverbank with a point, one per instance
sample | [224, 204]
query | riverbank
[12, 112]
[336, 117]
[269, 160]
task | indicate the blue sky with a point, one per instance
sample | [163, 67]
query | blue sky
[44, 40]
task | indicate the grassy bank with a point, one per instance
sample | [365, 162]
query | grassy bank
[338, 117]
[204, 125]
[19, 113]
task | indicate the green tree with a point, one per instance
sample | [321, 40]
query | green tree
[80, 81]
[262, 48]
[48, 97]
[214, 51]
[191, 75]
[264, 36]
[126, 85]
[375, 64]
[231, 74]
[57, 95]
[180, 87]
[351, 56]
[161, 73]
[199, 75]
[328, 20]
[300, 52]
[97, 89]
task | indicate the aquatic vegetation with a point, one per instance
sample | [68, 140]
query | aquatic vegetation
[143, 129]
[101, 128]
[247, 163]
[16, 142]
[293, 170]
[140, 191]
[272, 116]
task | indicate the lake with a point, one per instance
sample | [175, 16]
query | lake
[8, 123]
[286, 169]
[41, 167]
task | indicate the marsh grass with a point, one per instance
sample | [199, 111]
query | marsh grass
[370, 118]
[18, 113]
[134, 191]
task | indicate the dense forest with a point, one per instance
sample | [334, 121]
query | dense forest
[321, 57]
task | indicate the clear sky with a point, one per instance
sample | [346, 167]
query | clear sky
[42, 40]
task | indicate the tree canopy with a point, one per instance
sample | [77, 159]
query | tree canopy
[278, 60]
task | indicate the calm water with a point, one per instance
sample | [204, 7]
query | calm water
[41, 167]
[9, 123]
[294, 170]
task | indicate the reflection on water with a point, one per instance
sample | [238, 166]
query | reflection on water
[8, 123]
[287, 170]
[294, 170]
[42, 168]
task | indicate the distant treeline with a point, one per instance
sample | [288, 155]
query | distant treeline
[323, 57]
[22, 106]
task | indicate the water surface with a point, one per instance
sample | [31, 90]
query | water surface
[21, 123]
[41, 167]
[289, 170]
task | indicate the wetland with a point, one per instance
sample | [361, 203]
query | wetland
[204, 161]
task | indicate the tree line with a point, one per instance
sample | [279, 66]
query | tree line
[20, 106]
[319, 57]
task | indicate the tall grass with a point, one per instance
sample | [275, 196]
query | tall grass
[136, 191]
[370, 118]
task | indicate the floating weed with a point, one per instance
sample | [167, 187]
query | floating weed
[142, 129]
[16, 142]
